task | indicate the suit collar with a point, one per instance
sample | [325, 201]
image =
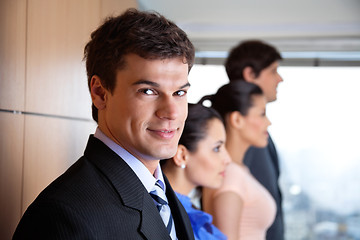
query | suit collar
[134, 195]
[121, 176]
[137, 166]
[130, 189]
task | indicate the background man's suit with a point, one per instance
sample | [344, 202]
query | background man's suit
[100, 197]
[264, 166]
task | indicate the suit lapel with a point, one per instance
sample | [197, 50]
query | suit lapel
[152, 226]
[130, 189]
[121, 176]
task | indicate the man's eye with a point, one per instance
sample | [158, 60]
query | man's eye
[180, 93]
[147, 91]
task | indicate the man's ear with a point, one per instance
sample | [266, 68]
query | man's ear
[98, 92]
[236, 119]
[181, 156]
[249, 74]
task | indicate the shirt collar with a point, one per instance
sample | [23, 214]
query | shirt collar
[147, 179]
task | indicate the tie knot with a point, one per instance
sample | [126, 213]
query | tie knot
[159, 184]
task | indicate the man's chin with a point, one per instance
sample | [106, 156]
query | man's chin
[166, 153]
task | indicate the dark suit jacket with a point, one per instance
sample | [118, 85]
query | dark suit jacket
[100, 197]
[264, 166]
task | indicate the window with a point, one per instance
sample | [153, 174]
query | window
[316, 128]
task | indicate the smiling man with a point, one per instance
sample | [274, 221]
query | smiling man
[137, 66]
[145, 112]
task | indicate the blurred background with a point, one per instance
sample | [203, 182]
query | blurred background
[45, 115]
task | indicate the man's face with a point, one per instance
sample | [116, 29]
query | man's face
[146, 112]
[268, 81]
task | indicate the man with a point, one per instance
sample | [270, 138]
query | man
[257, 62]
[137, 66]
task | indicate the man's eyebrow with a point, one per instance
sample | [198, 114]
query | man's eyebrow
[147, 82]
[185, 85]
[154, 84]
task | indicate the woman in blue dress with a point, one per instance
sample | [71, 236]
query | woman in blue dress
[200, 161]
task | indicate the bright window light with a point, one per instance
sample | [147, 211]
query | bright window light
[316, 128]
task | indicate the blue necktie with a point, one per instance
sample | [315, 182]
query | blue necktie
[160, 200]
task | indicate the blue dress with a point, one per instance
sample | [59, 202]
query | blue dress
[201, 222]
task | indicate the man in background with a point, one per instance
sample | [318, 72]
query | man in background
[137, 66]
[257, 62]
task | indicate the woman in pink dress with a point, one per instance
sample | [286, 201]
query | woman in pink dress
[242, 208]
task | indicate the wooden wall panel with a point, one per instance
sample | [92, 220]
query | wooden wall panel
[56, 78]
[12, 54]
[11, 160]
[51, 146]
[57, 33]
[116, 7]
[41, 72]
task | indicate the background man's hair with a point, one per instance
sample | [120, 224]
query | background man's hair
[252, 53]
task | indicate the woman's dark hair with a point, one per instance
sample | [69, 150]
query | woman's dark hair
[234, 96]
[196, 125]
[148, 35]
[252, 53]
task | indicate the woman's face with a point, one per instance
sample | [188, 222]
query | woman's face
[206, 166]
[254, 130]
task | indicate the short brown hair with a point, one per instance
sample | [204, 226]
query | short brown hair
[252, 53]
[149, 35]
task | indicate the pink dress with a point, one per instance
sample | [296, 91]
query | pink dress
[259, 207]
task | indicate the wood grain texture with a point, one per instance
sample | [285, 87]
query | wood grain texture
[57, 33]
[56, 78]
[11, 162]
[51, 146]
[12, 54]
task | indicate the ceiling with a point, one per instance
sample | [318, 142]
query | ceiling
[307, 29]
